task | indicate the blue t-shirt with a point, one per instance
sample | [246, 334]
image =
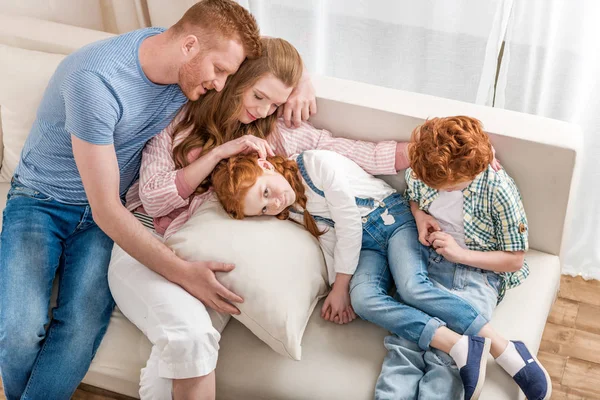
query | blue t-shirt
[101, 95]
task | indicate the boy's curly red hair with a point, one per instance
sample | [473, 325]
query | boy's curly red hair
[447, 151]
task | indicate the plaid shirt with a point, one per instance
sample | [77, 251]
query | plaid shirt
[494, 217]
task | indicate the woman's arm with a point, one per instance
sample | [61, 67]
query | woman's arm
[383, 158]
[164, 188]
[161, 190]
[195, 173]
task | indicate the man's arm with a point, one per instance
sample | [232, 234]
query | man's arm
[99, 172]
[301, 104]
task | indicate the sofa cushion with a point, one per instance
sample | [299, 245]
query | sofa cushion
[343, 362]
[25, 75]
[337, 361]
[280, 271]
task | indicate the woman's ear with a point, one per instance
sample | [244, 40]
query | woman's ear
[266, 165]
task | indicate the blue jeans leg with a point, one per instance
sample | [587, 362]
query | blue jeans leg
[371, 301]
[30, 251]
[441, 379]
[411, 373]
[38, 363]
[408, 260]
[81, 318]
[402, 370]
[478, 287]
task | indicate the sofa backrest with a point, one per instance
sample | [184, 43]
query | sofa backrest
[51, 37]
[539, 153]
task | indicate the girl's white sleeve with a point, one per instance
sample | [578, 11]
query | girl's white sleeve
[332, 180]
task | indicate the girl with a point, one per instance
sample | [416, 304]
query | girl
[174, 182]
[323, 190]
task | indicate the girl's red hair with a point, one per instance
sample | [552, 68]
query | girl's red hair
[232, 178]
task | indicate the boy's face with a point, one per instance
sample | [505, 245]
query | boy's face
[455, 186]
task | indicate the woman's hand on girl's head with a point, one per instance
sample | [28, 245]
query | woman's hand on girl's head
[246, 144]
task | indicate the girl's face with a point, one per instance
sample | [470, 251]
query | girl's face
[263, 99]
[270, 195]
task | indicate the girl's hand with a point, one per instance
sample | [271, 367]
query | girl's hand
[245, 145]
[337, 307]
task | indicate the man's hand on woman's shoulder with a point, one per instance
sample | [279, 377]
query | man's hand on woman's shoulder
[301, 104]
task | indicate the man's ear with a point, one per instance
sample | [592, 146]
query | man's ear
[190, 46]
[266, 165]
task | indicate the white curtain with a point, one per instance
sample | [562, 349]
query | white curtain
[551, 67]
[438, 47]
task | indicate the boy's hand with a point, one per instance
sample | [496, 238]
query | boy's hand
[445, 245]
[337, 306]
[426, 225]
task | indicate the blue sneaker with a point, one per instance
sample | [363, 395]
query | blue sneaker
[533, 379]
[473, 373]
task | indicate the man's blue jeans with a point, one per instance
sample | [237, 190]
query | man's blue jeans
[43, 358]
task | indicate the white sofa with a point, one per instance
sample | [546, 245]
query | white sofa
[343, 362]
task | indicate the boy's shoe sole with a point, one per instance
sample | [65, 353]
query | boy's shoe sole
[549, 393]
[482, 369]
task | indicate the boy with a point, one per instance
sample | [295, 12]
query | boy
[473, 220]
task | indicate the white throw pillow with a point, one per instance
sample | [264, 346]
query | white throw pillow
[280, 272]
[24, 75]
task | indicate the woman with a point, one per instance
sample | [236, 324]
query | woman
[173, 184]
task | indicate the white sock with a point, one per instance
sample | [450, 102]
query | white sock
[510, 360]
[460, 351]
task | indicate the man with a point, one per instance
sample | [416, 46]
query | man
[64, 208]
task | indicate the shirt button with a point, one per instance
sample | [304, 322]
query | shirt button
[364, 220]
[381, 204]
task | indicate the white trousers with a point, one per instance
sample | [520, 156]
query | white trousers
[185, 341]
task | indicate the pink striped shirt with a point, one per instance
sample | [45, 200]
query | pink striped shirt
[166, 197]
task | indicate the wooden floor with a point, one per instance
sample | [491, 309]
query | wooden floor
[570, 348]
